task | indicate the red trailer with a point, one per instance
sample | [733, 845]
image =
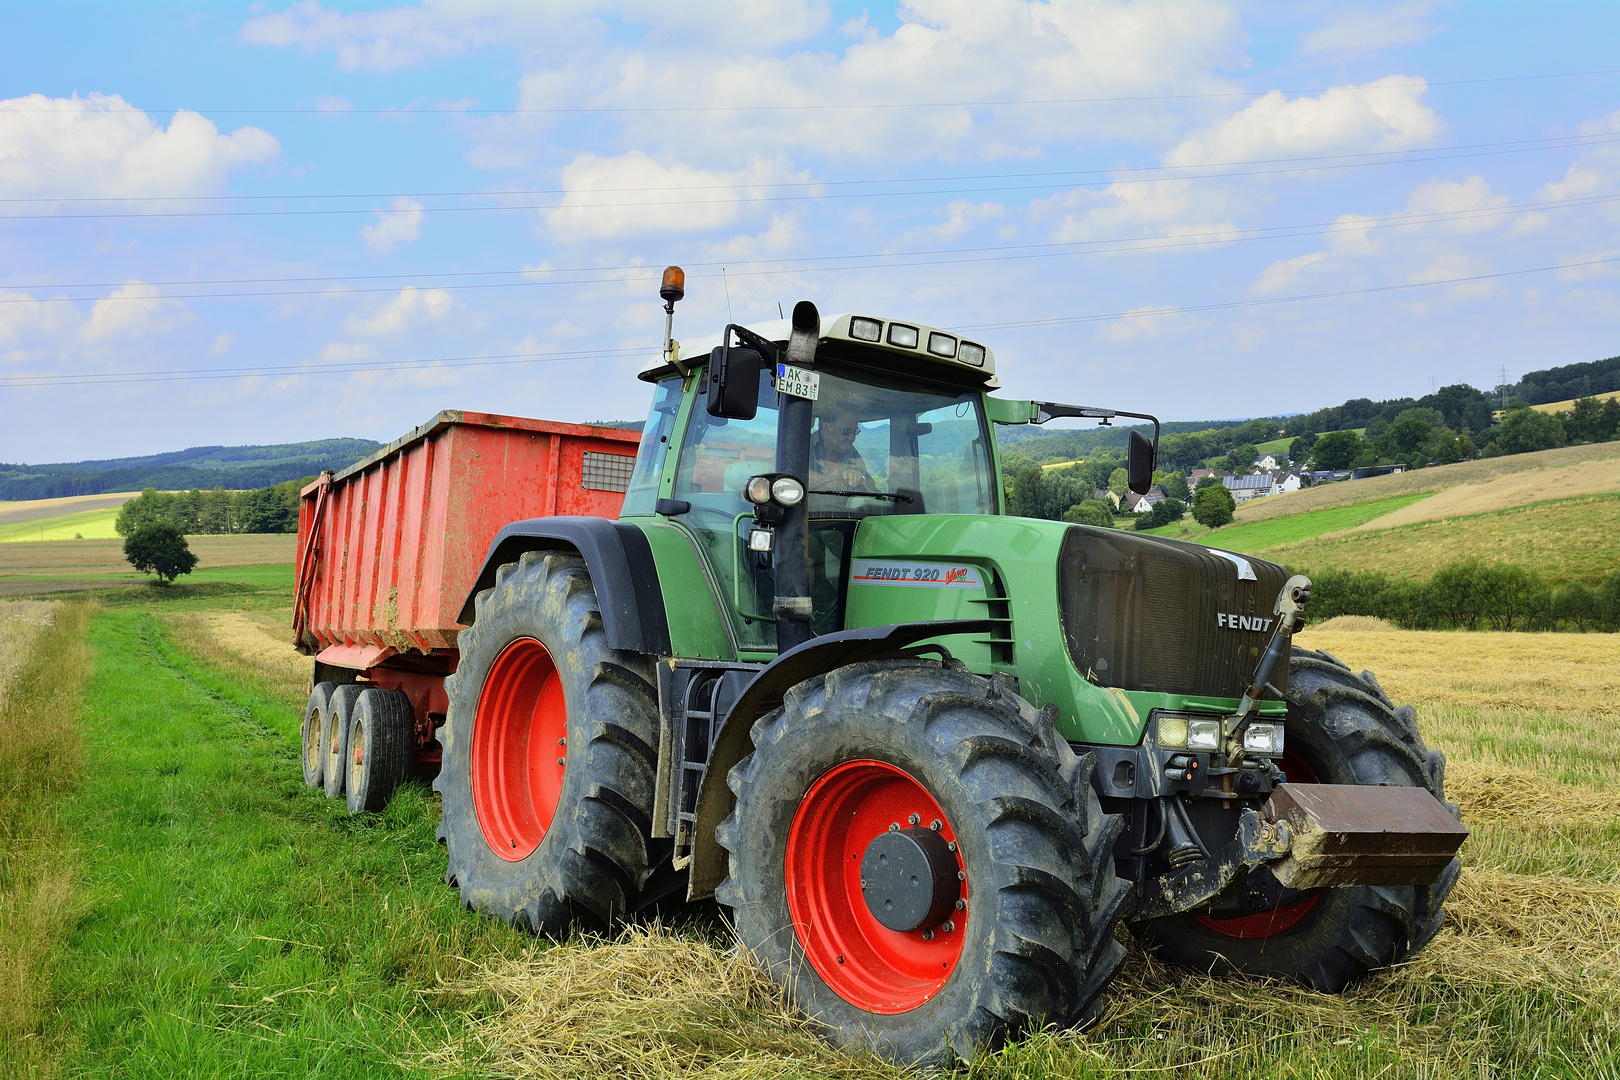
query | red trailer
[388, 550]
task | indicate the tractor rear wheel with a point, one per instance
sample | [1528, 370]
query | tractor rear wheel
[550, 754]
[1341, 729]
[921, 861]
[313, 748]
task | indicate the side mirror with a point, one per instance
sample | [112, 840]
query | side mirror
[1139, 462]
[734, 373]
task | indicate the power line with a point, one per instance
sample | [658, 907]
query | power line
[1140, 313]
[813, 196]
[584, 110]
[766, 267]
[176, 375]
[1551, 142]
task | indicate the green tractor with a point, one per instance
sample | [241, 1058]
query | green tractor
[929, 756]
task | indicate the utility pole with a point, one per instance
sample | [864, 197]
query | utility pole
[1502, 386]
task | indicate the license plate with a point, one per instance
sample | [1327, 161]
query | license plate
[797, 382]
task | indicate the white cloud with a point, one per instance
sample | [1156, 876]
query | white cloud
[333, 105]
[1571, 269]
[383, 40]
[412, 307]
[1146, 322]
[134, 310]
[101, 145]
[959, 217]
[1375, 117]
[400, 224]
[20, 312]
[1282, 274]
[222, 344]
[1359, 30]
[1162, 208]
[633, 193]
[340, 352]
[1438, 196]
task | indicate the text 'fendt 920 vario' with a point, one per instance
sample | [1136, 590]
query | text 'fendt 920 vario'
[928, 755]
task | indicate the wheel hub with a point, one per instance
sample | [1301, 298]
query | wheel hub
[909, 879]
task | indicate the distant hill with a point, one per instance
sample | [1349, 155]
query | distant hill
[1569, 381]
[204, 467]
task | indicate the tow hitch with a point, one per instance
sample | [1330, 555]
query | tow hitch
[1312, 836]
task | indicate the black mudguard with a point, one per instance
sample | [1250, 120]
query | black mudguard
[622, 571]
[735, 742]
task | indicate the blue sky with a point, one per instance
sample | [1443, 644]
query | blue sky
[229, 224]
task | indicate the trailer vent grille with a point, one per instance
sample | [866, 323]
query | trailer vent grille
[607, 472]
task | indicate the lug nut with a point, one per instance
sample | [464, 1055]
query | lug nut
[928, 935]
[950, 845]
[561, 761]
[961, 875]
[949, 927]
[913, 819]
[961, 905]
[894, 826]
[936, 824]
[562, 742]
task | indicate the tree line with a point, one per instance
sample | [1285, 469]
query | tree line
[272, 509]
[1469, 595]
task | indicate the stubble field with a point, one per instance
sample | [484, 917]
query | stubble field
[211, 916]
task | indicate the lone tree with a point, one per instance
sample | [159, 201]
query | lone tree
[158, 548]
[1213, 506]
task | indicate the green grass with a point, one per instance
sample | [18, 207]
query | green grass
[87, 525]
[236, 923]
[1279, 531]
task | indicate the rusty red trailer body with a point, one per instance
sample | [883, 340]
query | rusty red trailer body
[388, 548]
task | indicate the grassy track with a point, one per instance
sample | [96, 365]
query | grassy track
[87, 524]
[1259, 535]
[1561, 541]
[237, 924]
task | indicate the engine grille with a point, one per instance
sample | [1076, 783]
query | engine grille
[1144, 613]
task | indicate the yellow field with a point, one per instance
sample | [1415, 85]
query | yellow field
[1596, 477]
[85, 525]
[1566, 406]
[30, 509]
[1435, 479]
[54, 559]
[1576, 539]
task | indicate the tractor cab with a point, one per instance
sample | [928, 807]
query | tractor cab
[897, 426]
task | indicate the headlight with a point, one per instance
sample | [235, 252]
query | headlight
[866, 329]
[758, 490]
[1172, 731]
[942, 345]
[1203, 734]
[1263, 739]
[787, 491]
[970, 353]
[903, 336]
[761, 540]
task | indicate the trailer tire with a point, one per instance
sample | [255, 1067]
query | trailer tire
[540, 833]
[1344, 729]
[1029, 940]
[335, 724]
[379, 756]
[312, 745]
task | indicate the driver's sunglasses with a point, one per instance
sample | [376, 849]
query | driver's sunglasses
[845, 429]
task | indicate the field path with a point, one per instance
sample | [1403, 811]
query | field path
[35, 509]
[1600, 477]
[236, 923]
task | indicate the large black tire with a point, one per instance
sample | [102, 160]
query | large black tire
[589, 862]
[335, 724]
[379, 757]
[312, 749]
[1037, 943]
[1347, 731]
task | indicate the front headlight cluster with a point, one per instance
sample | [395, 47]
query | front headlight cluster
[1204, 733]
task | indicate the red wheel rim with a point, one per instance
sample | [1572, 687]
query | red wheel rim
[864, 962]
[519, 749]
[1283, 917]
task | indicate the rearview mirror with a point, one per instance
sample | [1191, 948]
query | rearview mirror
[1139, 463]
[734, 373]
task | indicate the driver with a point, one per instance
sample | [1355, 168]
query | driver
[835, 464]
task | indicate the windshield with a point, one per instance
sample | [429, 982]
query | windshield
[642, 495]
[878, 446]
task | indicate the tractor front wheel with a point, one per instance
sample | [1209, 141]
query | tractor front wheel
[550, 752]
[920, 860]
[1341, 729]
